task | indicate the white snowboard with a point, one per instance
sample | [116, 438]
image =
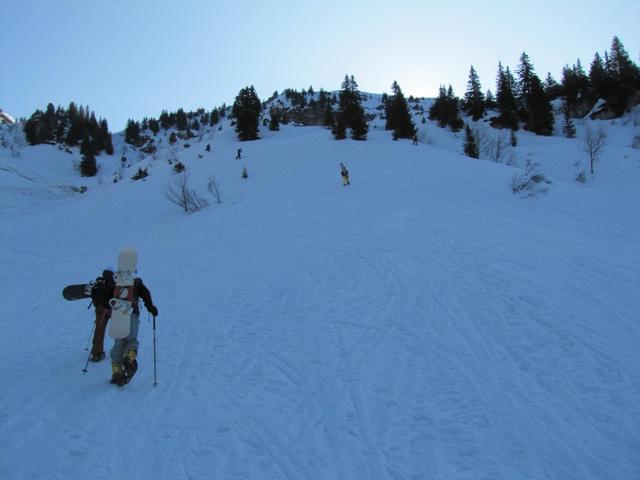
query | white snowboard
[121, 308]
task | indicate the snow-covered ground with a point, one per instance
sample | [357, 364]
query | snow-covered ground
[422, 323]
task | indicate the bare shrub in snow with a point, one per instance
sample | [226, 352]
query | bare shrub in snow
[531, 183]
[140, 174]
[593, 142]
[179, 193]
[581, 177]
[495, 145]
[214, 188]
[172, 155]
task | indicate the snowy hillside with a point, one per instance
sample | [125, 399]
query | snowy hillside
[422, 323]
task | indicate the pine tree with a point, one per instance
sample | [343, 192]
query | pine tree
[575, 83]
[132, 133]
[398, 116]
[182, 122]
[474, 100]
[470, 144]
[154, 126]
[551, 87]
[75, 131]
[539, 113]
[625, 76]
[599, 78]
[524, 86]
[351, 113]
[88, 165]
[328, 117]
[506, 99]
[62, 123]
[32, 128]
[445, 109]
[165, 120]
[568, 128]
[48, 125]
[274, 122]
[214, 118]
[246, 111]
[339, 129]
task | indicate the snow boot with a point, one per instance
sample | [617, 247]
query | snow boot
[130, 357]
[130, 365]
[117, 373]
[96, 357]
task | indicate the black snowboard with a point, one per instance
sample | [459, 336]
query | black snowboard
[77, 292]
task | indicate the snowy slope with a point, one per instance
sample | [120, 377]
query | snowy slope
[423, 323]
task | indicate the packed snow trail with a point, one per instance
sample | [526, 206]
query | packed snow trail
[427, 325]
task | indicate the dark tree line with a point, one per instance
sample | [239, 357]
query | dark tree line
[525, 99]
[614, 78]
[446, 109]
[73, 126]
[186, 123]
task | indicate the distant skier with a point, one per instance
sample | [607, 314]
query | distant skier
[239, 154]
[345, 175]
[125, 350]
[415, 139]
[101, 293]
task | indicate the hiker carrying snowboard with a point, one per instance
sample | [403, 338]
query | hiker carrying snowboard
[125, 350]
[101, 293]
[345, 175]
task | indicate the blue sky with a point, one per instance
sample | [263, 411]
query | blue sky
[130, 59]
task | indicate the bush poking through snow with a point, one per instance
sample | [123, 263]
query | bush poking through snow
[140, 174]
[214, 188]
[531, 183]
[581, 177]
[179, 193]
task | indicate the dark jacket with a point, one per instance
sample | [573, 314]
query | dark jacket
[141, 291]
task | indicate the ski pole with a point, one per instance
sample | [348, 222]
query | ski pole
[84, 370]
[90, 337]
[155, 383]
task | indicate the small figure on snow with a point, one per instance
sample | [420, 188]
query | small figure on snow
[101, 293]
[125, 350]
[239, 154]
[245, 173]
[415, 139]
[345, 175]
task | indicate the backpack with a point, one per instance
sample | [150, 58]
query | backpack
[102, 289]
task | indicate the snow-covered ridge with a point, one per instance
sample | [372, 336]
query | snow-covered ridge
[423, 322]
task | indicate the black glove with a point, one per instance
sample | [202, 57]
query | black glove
[153, 310]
